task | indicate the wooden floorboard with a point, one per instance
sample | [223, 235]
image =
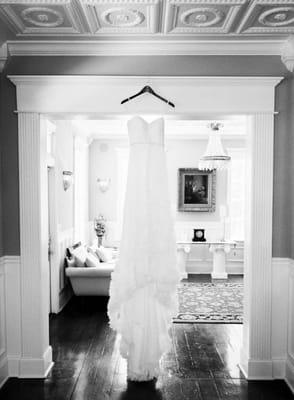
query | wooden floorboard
[201, 365]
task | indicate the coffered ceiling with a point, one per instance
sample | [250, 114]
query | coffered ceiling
[164, 19]
[32, 26]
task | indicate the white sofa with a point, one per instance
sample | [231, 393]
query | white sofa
[89, 281]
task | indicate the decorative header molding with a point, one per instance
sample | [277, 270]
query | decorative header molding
[3, 56]
[145, 47]
[102, 95]
[288, 53]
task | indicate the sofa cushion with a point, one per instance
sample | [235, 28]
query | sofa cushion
[80, 254]
[104, 254]
[92, 261]
[104, 270]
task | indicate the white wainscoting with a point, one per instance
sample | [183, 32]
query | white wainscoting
[3, 344]
[282, 338]
[65, 239]
[290, 344]
[10, 318]
[280, 298]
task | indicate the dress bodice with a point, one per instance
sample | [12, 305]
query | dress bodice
[142, 132]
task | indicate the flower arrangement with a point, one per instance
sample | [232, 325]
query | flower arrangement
[100, 225]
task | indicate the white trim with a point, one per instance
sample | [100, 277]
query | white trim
[36, 367]
[89, 80]
[229, 94]
[36, 354]
[290, 373]
[3, 56]
[144, 47]
[290, 350]
[256, 348]
[13, 305]
[215, 95]
[3, 372]
[3, 334]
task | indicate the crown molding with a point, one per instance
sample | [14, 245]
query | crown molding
[3, 56]
[144, 48]
[89, 80]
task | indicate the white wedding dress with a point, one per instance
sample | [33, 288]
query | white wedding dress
[143, 297]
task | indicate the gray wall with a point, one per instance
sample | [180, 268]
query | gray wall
[9, 184]
[281, 220]
[168, 65]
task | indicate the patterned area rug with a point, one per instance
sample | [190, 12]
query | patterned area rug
[217, 302]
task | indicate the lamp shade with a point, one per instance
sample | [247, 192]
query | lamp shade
[215, 156]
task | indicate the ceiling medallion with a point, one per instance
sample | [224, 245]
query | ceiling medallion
[201, 16]
[42, 17]
[276, 17]
[122, 17]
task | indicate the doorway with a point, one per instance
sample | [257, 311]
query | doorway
[217, 96]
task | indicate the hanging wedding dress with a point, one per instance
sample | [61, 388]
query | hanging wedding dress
[143, 296]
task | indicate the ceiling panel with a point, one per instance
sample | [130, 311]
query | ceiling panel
[40, 17]
[133, 17]
[164, 19]
[268, 17]
[201, 17]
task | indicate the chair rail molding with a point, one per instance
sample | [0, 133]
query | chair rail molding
[100, 96]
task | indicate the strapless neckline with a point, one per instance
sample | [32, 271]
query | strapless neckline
[144, 120]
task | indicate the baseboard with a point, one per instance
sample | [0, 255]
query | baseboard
[257, 369]
[203, 267]
[13, 366]
[4, 375]
[64, 297]
[279, 368]
[36, 367]
[290, 373]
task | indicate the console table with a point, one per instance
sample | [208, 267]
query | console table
[219, 249]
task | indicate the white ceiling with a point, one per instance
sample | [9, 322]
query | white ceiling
[144, 27]
[162, 19]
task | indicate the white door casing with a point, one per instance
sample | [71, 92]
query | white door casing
[99, 97]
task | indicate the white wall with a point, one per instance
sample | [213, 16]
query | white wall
[70, 154]
[179, 154]
[64, 161]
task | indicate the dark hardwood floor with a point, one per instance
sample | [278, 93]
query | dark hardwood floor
[202, 365]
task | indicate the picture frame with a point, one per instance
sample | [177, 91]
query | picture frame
[196, 190]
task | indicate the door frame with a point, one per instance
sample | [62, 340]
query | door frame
[83, 95]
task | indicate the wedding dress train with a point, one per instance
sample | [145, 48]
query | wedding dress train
[143, 296]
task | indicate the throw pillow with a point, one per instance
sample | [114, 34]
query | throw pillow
[93, 250]
[92, 261]
[70, 262]
[104, 254]
[80, 255]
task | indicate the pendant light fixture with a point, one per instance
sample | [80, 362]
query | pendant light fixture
[215, 156]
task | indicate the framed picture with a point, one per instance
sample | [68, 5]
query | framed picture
[196, 190]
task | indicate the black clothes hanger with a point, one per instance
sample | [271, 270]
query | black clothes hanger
[148, 89]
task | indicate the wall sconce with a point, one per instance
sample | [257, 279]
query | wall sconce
[67, 178]
[103, 184]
